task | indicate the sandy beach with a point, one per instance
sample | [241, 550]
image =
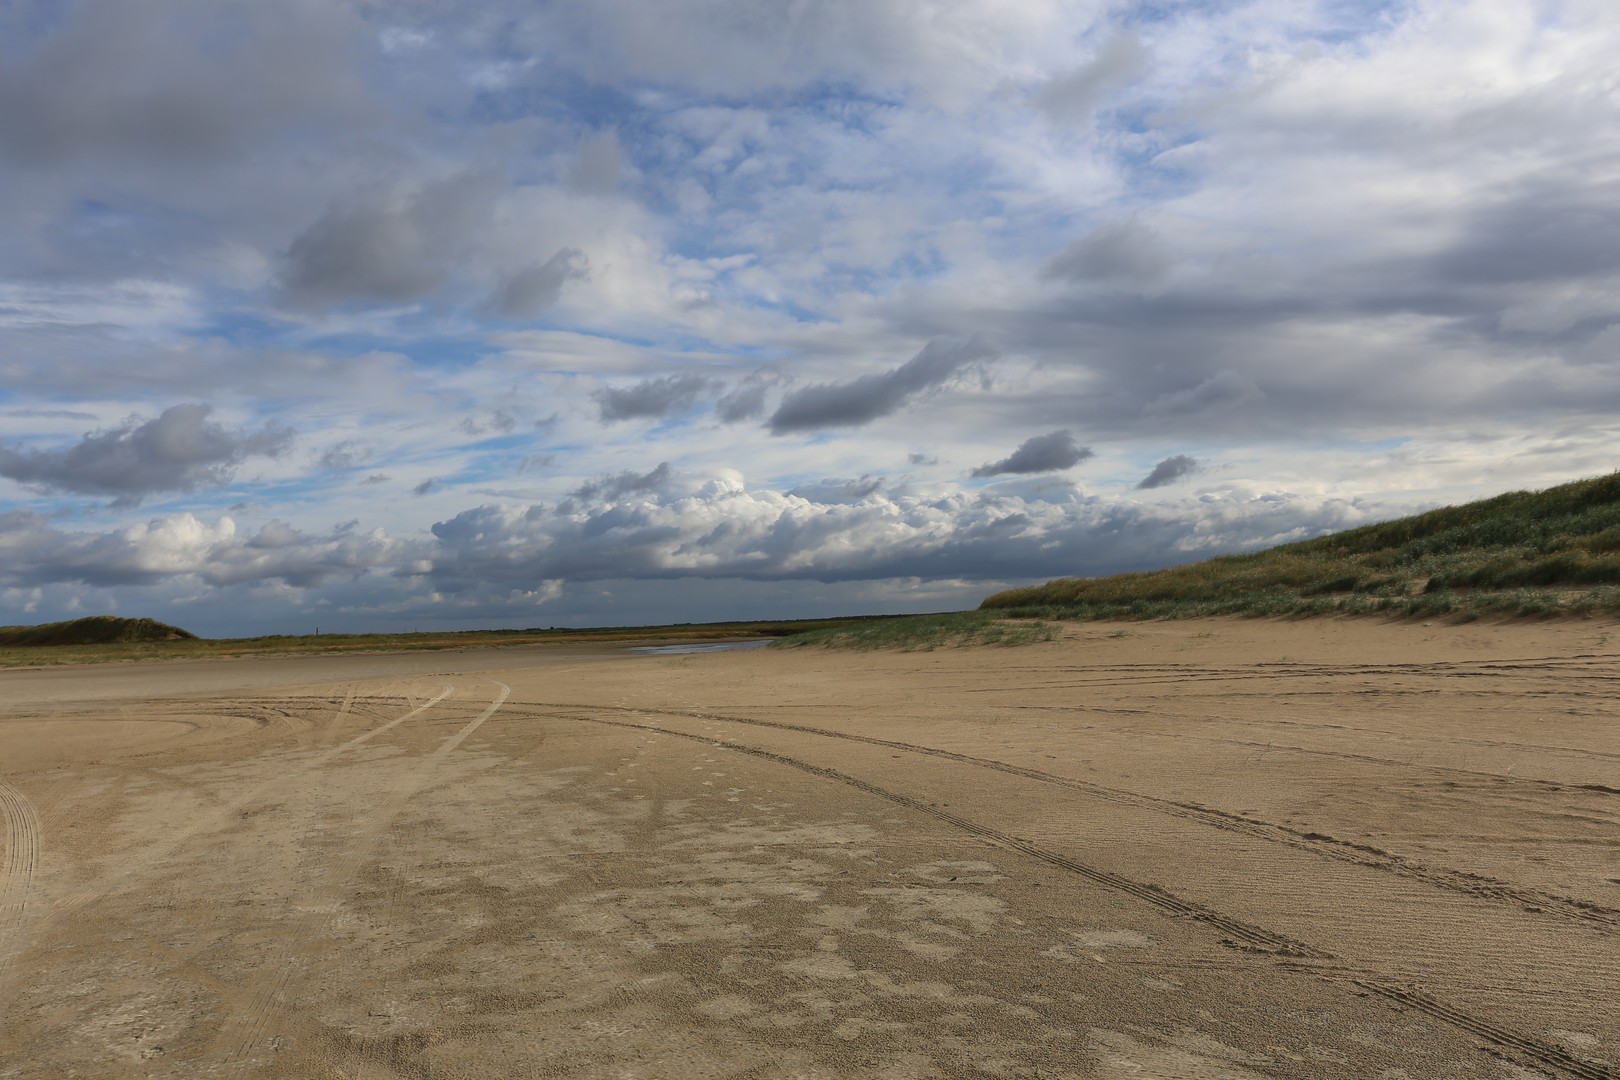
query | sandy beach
[1201, 850]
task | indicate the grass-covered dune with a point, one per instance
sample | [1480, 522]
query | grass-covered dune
[91, 630]
[1523, 553]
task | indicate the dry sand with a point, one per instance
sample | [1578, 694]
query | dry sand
[1194, 850]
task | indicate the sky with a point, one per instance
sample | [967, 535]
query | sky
[433, 315]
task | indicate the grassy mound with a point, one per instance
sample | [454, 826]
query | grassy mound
[1524, 553]
[93, 630]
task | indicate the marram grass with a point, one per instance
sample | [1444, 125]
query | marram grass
[1526, 553]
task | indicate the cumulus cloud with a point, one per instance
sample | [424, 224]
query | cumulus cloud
[1169, 471]
[1042, 453]
[650, 397]
[721, 529]
[178, 451]
[866, 399]
[181, 546]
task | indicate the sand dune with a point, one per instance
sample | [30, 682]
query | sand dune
[1222, 849]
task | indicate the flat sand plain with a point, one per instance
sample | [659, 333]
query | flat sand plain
[1193, 850]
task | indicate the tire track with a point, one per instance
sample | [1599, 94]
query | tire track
[1245, 937]
[342, 717]
[16, 869]
[245, 1028]
[1582, 912]
[1296, 955]
[1545, 1053]
[151, 857]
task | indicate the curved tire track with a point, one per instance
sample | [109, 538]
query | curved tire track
[1296, 954]
[16, 869]
[1583, 912]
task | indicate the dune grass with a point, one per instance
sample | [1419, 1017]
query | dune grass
[1525, 553]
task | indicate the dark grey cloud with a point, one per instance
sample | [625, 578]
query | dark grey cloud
[535, 288]
[1222, 391]
[178, 451]
[608, 488]
[377, 478]
[1169, 471]
[426, 487]
[1071, 97]
[872, 396]
[1116, 251]
[1547, 231]
[839, 491]
[651, 397]
[390, 248]
[597, 167]
[182, 81]
[746, 402]
[344, 455]
[48, 414]
[921, 459]
[499, 421]
[1042, 453]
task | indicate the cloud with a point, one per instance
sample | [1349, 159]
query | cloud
[720, 529]
[1225, 390]
[1042, 453]
[870, 397]
[650, 397]
[175, 81]
[745, 402]
[1169, 471]
[1070, 98]
[426, 487]
[178, 451]
[597, 167]
[839, 491]
[609, 488]
[395, 248]
[184, 546]
[344, 455]
[535, 288]
[1117, 251]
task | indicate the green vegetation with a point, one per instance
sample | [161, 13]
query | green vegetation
[92, 630]
[1523, 553]
[920, 633]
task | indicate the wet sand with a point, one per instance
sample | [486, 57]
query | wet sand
[1192, 850]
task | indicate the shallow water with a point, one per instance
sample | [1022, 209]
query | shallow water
[707, 646]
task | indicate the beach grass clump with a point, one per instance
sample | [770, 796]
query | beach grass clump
[1525, 554]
